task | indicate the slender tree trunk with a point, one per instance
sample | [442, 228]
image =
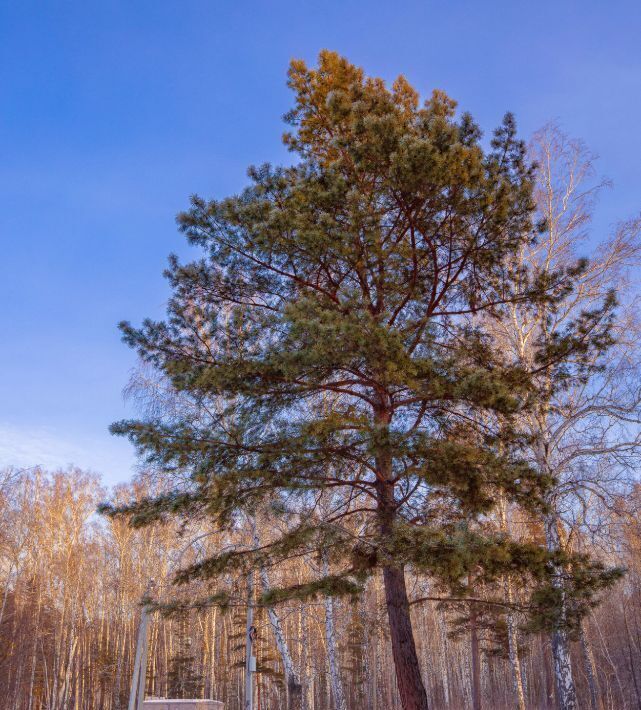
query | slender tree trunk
[5, 595]
[294, 686]
[566, 691]
[120, 655]
[332, 651]
[512, 640]
[304, 660]
[34, 651]
[513, 652]
[590, 670]
[631, 656]
[249, 643]
[606, 654]
[476, 659]
[444, 653]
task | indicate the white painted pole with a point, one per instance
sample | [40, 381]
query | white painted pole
[134, 680]
[140, 662]
[142, 671]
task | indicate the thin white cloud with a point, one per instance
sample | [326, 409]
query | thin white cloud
[42, 446]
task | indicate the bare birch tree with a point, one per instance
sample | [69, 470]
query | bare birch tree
[586, 434]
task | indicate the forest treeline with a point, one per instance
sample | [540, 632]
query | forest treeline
[72, 585]
[394, 409]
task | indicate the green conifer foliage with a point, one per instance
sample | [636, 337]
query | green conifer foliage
[327, 341]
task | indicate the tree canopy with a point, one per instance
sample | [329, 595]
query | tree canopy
[331, 339]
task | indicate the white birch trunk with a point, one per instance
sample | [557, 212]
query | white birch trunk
[566, 691]
[332, 652]
[513, 651]
[513, 647]
[292, 680]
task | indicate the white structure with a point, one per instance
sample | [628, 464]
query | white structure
[165, 704]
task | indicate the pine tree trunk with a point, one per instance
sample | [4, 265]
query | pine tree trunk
[408, 672]
[406, 665]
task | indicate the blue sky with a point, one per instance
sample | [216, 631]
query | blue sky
[112, 113]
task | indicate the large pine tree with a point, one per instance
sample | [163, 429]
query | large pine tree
[327, 341]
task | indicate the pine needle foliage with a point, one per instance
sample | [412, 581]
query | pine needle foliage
[328, 339]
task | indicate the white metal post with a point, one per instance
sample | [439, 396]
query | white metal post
[137, 690]
[142, 671]
[141, 642]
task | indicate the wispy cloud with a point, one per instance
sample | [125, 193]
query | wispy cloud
[44, 446]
